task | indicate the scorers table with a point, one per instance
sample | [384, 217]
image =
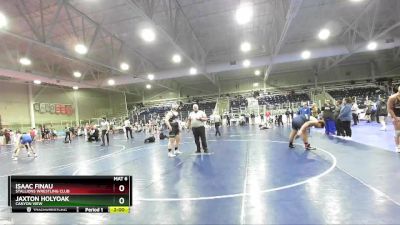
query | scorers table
[70, 194]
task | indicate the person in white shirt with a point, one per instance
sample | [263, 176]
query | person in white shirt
[127, 124]
[105, 127]
[196, 122]
[354, 111]
[172, 122]
[217, 123]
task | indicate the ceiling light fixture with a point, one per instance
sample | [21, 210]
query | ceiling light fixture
[257, 72]
[245, 46]
[193, 71]
[25, 61]
[246, 63]
[111, 82]
[77, 74]
[255, 84]
[148, 35]
[372, 45]
[150, 76]
[3, 21]
[37, 82]
[244, 14]
[75, 87]
[306, 54]
[81, 49]
[124, 66]
[148, 86]
[176, 58]
[324, 34]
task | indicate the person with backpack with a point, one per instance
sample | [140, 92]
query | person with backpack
[382, 112]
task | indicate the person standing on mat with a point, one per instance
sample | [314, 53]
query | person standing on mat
[67, 134]
[381, 110]
[305, 110]
[172, 122]
[105, 127]
[300, 124]
[345, 117]
[338, 123]
[128, 129]
[196, 122]
[354, 111]
[328, 111]
[393, 106]
[217, 123]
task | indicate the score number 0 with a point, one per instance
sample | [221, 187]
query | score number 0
[121, 200]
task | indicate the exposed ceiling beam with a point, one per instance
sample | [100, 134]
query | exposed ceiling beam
[291, 14]
[178, 31]
[325, 52]
[360, 47]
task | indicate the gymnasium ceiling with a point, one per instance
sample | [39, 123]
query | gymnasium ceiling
[204, 32]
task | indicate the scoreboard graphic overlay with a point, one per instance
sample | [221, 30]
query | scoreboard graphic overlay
[72, 194]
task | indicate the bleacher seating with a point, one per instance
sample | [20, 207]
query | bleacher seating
[361, 93]
[147, 112]
[207, 107]
[238, 101]
[280, 99]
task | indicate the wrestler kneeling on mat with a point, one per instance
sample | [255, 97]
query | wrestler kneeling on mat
[24, 140]
[299, 127]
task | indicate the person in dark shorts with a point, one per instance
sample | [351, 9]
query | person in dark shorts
[197, 118]
[24, 140]
[67, 134]
[393, 107]
[172, 122]
[299, 127]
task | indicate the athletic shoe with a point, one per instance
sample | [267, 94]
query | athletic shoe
[309, 147]
[15, 158]
[177, 152]
[291, 145]
[29, 154]
[35, 155]
[398, 149]
[102, 145]
[347, 138]
[198, 152]
[171, 154]
[205, 150]
[383, 129]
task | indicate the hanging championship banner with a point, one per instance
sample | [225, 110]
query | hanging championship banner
[62, 109]
[47, 106]
[68, 109]
[52, 108]
[58, 107]
[42, 107]
[36, 107]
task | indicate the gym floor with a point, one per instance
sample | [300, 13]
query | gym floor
[250, 177]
